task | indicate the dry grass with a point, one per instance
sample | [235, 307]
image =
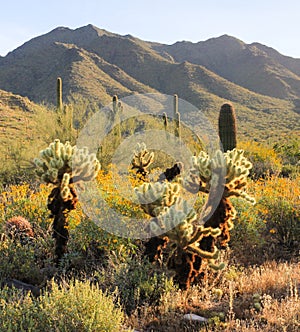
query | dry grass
[264, 298]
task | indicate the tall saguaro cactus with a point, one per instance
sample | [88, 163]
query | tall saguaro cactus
[227, 127]
[117, 110]
[177, 129]
[59, 102]
[64, 113]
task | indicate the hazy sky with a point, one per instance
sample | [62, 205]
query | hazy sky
[273, 23]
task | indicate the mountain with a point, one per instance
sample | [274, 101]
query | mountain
[256, 67]
[263, 85]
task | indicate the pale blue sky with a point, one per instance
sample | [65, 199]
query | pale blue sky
[273, 23]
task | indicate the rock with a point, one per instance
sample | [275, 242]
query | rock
[195, 318]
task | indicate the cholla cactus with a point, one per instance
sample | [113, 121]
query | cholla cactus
[191, 236]
[204, 172]
[63, 166]
[141, 160]
[153, 197]
[60, 163]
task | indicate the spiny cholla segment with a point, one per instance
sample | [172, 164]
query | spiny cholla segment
[153, 197]
[142, 159]
[62, 164]
[204, 173]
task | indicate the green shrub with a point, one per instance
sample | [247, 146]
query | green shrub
[247, 237]
[137, 283]
[283, 222]
[18, 261]
[74, 307]
[264, 159]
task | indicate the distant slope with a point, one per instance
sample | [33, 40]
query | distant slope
[25, 128]
[255, 66]
[97, 64]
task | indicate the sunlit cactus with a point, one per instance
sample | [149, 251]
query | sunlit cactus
[64, 113]
[153, 197]
[238, 169]
[175, 105]
[63, 166]
[176, 115]
[117, 110]
[192, 236]
[177, 125]
[141, 160]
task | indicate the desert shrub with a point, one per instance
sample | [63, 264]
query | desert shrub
[247, 237]
[73, 307]
[23, 200]
[289, 149]
[271, 228]
[18, 261]
[265, 160]
[91, 247]
[136, 282]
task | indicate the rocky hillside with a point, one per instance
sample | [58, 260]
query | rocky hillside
[263, 85]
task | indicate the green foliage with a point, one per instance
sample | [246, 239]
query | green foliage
[22, 261]
[138, 284]
[73, 307]
[283, 221]
[265, 160]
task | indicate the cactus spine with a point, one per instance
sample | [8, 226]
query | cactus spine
[227, 127]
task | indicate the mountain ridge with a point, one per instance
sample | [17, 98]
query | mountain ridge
[97, 64]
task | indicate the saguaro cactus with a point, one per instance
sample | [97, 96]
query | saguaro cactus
[177, 129]
[59, 102]
[63, 165]
[117, 110]
[175, 105]
[227, 127]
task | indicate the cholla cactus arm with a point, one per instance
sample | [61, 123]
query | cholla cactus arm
[59, 159]
[176, 222]
[200, 174]
[238, 169]
[153, 197]
[142, 159]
